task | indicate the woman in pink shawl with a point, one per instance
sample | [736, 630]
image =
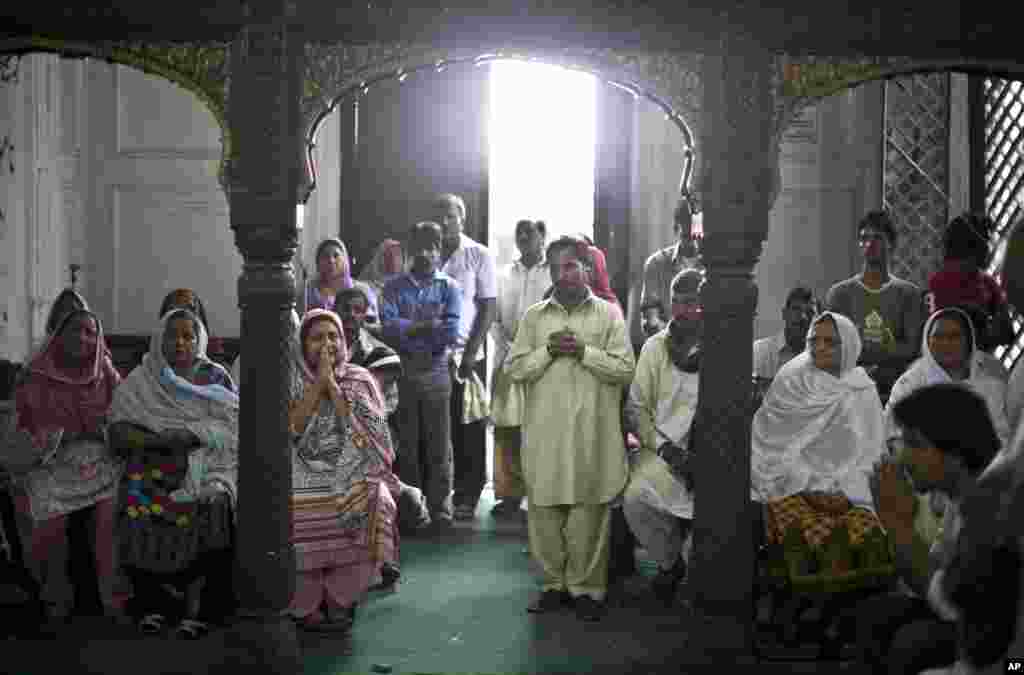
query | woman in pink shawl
[62, 404]
[600, 283]
[343, 505]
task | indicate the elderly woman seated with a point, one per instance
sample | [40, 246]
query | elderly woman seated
[62, 404]
[175, 420]
[818, 432]
[950, 354]
[343, 510]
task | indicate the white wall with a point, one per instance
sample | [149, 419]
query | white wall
[155, 215]
[831, 176]
[322, 213]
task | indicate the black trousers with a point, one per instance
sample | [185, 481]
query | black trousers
[469, 447]
[81, 563]
[899, 633]
[216, 603]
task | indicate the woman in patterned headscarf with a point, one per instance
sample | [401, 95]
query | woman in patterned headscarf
[343, 511]
[175, 420]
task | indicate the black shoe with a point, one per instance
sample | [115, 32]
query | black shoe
[666, 582]
[439, 526]
[588, 609]
[550, 601]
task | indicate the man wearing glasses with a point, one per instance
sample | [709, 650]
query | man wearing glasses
[887, 311]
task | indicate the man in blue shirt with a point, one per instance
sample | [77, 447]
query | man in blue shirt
[420, 319]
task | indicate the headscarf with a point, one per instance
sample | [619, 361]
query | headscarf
[155, 397]
[816, 431]
[362, 393]
[185, 298]
[53, 320]
[926, 371]
[600, 284]
[52, 393]
[388, 259]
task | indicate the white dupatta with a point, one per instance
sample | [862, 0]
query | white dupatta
[818, 432]
[926, 371]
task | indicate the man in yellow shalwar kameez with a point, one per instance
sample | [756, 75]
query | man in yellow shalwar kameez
[572, 353]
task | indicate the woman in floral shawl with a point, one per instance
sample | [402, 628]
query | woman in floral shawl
[343, 512]
[175, 419]
[64, 398]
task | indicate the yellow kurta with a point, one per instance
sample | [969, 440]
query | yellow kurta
[573, 451]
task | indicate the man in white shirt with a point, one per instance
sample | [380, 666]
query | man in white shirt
[771, 353]
[520, 285]
[473, 267]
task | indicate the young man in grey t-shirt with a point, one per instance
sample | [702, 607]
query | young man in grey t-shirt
[888, 311]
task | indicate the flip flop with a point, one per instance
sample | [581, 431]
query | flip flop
[190, 629]
[152, 624]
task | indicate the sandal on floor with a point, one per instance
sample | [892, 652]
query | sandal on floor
[152, 624]
[190, 629]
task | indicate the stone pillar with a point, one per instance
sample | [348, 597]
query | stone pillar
[265, 173]
[738, 184]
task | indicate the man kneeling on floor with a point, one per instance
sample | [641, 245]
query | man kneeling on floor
[658, 503]
[572, 353]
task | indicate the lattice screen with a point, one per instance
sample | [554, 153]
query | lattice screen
[917, 171]
[1004, 178]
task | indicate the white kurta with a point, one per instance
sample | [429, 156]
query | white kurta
[573, 450]
[662, 404]
[519, 287]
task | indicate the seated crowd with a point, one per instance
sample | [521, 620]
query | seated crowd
[885, 439]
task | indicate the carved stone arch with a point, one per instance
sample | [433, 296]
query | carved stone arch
[335, 72]
[200, 69]
[805, 80]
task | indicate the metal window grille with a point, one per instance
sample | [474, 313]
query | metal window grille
[916, 171]
[1004, 180]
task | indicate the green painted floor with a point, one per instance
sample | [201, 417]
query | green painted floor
[460, 608]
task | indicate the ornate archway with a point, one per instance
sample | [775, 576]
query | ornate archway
[338, 72]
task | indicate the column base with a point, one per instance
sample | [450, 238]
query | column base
[264, 644]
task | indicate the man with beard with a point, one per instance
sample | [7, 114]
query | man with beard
[572, 354]
[658, 502]
[420, 319]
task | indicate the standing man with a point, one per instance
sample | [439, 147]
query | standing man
[887, 311]
[663, 266]
[771, 353]
[520, 285]
[472, 267]
[572, 353]
[420, 319]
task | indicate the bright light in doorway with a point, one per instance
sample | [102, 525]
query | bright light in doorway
[300, 212]
[542, 133]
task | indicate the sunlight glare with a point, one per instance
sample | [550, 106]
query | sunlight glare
[542, 151]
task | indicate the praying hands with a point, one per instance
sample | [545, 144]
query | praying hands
[565, 343]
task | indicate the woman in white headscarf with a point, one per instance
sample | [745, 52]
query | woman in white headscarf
[949, 354]
[816, 435]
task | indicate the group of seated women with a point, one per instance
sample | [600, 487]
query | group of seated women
[150, 463]
[826, 470]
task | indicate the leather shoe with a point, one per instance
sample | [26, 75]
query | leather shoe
[550, 601]
[588, 609]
